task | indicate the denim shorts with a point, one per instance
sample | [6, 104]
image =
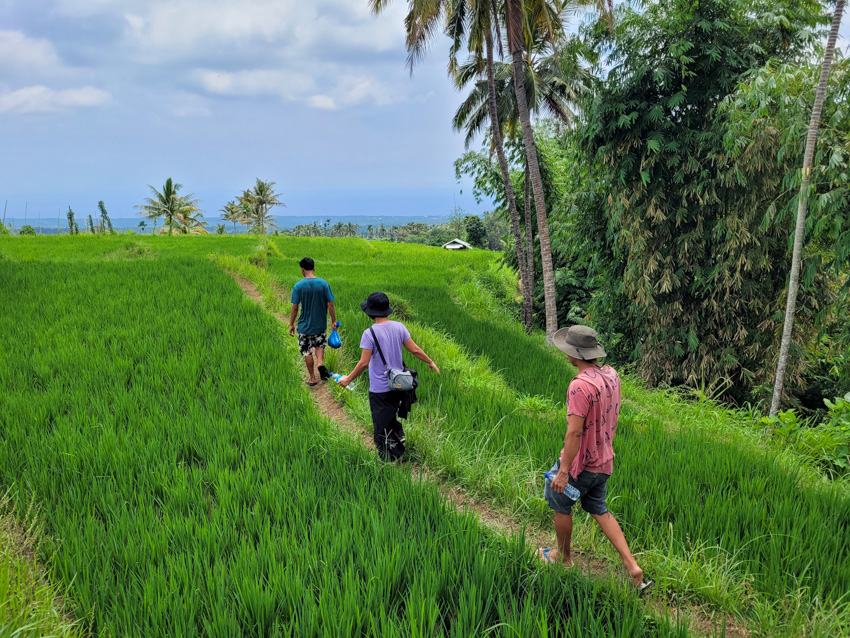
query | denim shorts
[592, 486]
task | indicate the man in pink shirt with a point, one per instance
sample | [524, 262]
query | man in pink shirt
[587, 459]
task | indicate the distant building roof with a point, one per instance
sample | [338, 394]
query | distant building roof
[457, 244]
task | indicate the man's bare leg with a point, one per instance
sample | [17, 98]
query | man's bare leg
[564, 532]
[309, 361]
[611, 528]
[320, 356]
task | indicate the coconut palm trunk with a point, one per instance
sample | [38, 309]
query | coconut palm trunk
[528, 294]
[802, 207]
[506, 178]
[515, 44]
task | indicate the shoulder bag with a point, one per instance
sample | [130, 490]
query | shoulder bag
[403, 380]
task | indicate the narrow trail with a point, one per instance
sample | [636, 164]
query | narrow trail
[501, 521]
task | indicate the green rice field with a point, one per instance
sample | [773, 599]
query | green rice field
[189, 486]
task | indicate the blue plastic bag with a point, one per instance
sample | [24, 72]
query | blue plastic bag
[334, 341]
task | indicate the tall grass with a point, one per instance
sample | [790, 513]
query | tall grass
[189, 486]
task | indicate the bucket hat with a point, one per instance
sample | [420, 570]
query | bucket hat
[580, 342]
[377, 305]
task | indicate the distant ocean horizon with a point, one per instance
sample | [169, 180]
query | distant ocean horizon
[284, 222]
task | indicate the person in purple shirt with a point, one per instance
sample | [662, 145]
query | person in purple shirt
[385, 403]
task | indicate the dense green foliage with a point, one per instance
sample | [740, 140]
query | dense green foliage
[767, 118]
[488, 235]
[673, 197]
[189, 486]
[681, 232]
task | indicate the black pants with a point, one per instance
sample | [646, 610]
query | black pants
[389, 435]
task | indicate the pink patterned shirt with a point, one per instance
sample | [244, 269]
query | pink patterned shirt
[595, 395]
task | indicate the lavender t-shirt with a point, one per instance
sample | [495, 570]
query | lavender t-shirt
[391, 335]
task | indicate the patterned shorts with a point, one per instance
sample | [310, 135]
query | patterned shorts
[308, 343]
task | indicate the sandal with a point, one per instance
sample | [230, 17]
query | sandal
[312, 385]
[543, 552]
[645, 585]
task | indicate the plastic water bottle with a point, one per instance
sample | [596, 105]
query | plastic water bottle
[569, 491]
[336, 377]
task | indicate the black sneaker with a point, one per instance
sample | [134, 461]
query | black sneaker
[324, 375]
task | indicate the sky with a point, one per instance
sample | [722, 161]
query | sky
[101, 98]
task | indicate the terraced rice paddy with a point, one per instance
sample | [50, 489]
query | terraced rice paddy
[189, 486]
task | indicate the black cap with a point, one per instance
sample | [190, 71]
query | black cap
[377, 305]
[307, 264]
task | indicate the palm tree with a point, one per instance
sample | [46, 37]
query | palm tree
[424, 20]
[802, 207]
[175, 208]
[473, 22]
[189, 222]
[233, 212]
[483, 25]
[553, 82]
[546, 16]
[263, 200]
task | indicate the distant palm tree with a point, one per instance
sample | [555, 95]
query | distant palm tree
[189, 222]
[233, 212]
[261, 200]
[143, 225]
[220, 229]
[179, 211]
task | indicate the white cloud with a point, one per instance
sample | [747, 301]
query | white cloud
[349, 90]
[189, 105]
[329, 54]
[183, 29]
[256, 82]
[323, 102]
[42, 99]
[20, 54]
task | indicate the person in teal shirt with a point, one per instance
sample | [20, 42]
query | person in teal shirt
[313, 295]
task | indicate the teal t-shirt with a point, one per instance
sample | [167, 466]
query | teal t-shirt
[313, 295]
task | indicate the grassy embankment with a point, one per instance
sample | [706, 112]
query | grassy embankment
[188, 485]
